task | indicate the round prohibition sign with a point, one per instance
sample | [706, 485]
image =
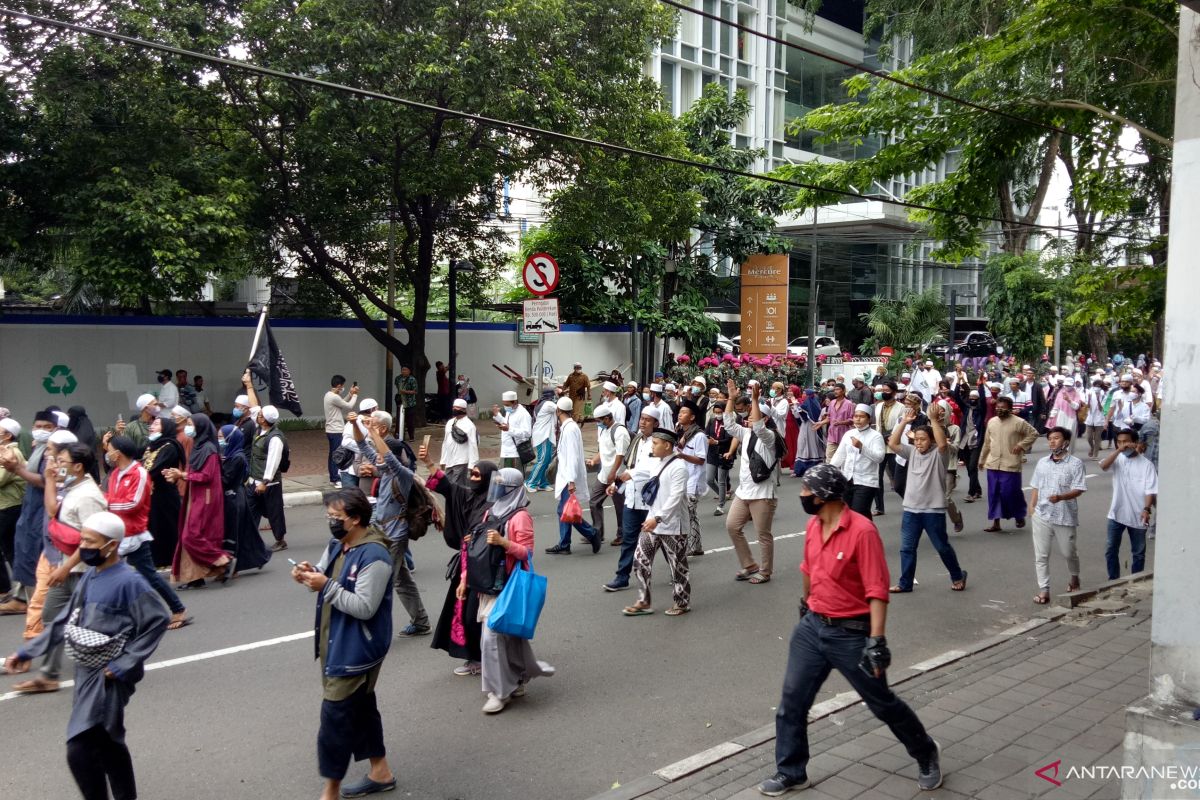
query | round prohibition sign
[540, 274]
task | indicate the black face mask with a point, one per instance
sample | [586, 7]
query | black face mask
[888, 395]
[92, 556]
[337, 529]
[810, 504]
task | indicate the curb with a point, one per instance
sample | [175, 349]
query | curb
[1077, 598]
[680, 769]
[307, 498]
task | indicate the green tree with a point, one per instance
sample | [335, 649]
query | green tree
[1021, 298]
[910, 322]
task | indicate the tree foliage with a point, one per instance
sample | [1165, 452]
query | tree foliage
[909, 322]
[1020, 301]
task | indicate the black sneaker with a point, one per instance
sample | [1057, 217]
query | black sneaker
[929, 770]
[279, 545]
[558, 550]
[781, 784]
[412, 631]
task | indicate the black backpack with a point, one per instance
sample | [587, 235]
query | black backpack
[420, 509]
[486, 562]
[760, 470]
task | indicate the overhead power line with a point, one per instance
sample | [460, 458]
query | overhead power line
[517, 127]
[882, 75]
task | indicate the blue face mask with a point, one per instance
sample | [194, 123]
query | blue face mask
[238, 412]
[154, 437]
[508, 409]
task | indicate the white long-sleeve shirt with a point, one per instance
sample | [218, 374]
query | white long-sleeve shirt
[455, 454]
[667, 420]
[571, 467]
[860, 465]
[779, 412]
[1095, 406]
[925, 382]
[747, 489]
[168, 395]
[274, 456]
[696, 446]
[543, 423]
[520, 428]
[613, 442]
[669, 503]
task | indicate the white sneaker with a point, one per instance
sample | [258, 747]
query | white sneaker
[718, 511]
[494, 705]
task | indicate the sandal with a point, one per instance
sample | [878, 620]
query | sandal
[1042, 598]
[36, 686]
[1073, 586]
[993, 528]
[179, 621]
[898, 590]
[637, 611]
[758, 578]
[959, 585]
[745, 574]
[676, 611]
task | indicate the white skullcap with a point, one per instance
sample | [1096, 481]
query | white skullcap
[63, 437]
[609, 386]
[753, 382]
[143, 401]
[602, 410]
[460, 403]
[670, 387]
[565, 404]
[905, 376]
[107, 524]
[631, 385]
[864, 408]
[368, 404]
[1069, 382]
[63, 419]
[1053, 368]
[973, 394]
[270, 414]
[1026, 366]
[11, 425]
[180, 411]
[656, 388]
[928, 363]
[508, 397]
[1014, 380]
[242, 400]
[700, 380]
[1059, 378]
[995, 385]
[652, 412]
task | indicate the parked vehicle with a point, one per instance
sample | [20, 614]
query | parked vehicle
[825, 346]
[975, 344]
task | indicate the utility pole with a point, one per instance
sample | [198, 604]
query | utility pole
[391, 322]
[452, 324]
[1057, 302]
[952, 350]
[812, 306]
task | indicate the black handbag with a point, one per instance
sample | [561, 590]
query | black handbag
[650, 489]
[458, 435]
[343, 457]
[525, 451]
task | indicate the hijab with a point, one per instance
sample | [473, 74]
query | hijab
[508, 488]
[204, 443]
[812, 406]
[81, 426]
[465, 506]
[169, 432]
[234, 441]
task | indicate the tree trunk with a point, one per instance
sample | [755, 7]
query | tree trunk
[1097, 336]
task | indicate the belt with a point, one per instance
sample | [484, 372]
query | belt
[861, 624]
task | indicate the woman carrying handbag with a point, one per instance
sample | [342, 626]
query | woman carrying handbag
[508, 661]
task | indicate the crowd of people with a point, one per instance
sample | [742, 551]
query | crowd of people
[172, 495]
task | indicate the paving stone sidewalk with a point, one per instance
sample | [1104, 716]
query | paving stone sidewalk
[1057, 692]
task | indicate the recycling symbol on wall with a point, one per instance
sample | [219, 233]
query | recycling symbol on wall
[60, 380]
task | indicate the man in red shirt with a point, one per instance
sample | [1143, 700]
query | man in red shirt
[842, 618]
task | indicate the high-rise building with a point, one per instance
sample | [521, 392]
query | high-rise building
[865, 248]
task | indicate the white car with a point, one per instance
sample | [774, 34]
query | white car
[826, 346]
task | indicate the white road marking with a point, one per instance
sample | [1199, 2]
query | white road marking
[175, 662]
[730, 547]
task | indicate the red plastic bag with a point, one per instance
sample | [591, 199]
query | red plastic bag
[572, 512]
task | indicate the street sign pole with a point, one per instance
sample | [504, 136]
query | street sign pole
[540, 275]
[540, 370]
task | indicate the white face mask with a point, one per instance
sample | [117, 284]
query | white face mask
[40, 436]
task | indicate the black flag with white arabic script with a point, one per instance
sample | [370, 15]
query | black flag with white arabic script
[270, 371]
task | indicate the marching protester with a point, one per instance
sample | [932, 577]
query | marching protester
[925, 498]
[138, 429]
[666, 414]
[810, 444]
[506, 530]
[1134, 492]
[754, 499]
[163, 452]
[545, 419]
[1096, 421]
[202, 519]
[458, 630]
[633, 406]
[1006, 439]
[1058, 479]
[241, 537]
[268, 462]
[843, 613]
[571, 475]
[888, 414]
[692, 447]
[12, 491]
[664, 528]
[837, 418]
[352, 581]
[719, 455]
[612, 441]
[460, 447]
[516, 428]
[111, 624]
[31, 522]
[638, 466]
[128, 496]
[859, 456]
[390, 513]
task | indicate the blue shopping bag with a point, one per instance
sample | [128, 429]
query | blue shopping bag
[520, 603]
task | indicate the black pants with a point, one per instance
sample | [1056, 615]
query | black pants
[269, 504]
[859, 498]
[349, 728]
[887, 469]
[335, 441]
[974, 489]
[97, 763]
[8, 535]
[816, 649]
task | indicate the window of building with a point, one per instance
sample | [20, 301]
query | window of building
[667, 83]
[689, 26]
[689, 88]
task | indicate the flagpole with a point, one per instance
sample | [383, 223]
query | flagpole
[262, 318]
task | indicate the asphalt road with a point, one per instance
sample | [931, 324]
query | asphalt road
[630, 696]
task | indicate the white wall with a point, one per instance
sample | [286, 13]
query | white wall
[114, 360]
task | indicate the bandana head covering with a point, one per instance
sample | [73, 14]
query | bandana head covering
[825, 481]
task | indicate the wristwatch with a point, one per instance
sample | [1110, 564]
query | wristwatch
[659, 519]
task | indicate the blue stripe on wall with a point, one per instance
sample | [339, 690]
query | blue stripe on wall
[250, 322]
